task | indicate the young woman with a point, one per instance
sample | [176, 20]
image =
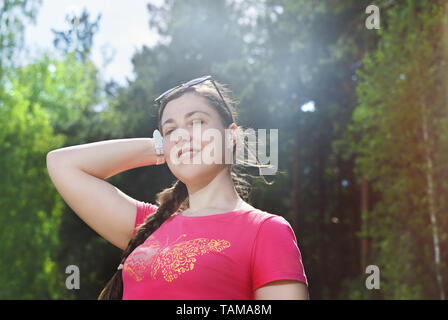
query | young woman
[200, 240]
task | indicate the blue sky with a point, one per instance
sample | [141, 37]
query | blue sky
[123, 29]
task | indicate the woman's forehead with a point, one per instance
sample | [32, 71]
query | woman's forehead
[186, 103]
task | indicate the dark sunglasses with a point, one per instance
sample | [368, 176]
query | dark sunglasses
[192, 83]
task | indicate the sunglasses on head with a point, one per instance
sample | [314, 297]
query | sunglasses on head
[190, 84]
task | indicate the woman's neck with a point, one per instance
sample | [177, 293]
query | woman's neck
[218, 194]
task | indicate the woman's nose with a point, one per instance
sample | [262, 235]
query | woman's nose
[183, 135]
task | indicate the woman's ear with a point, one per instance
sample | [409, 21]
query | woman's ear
[233, 136]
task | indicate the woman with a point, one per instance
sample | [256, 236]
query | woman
[200, 240]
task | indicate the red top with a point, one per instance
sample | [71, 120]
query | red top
[216, 257]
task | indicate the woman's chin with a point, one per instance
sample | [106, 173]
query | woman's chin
[194, 173]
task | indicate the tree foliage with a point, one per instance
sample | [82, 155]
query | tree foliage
[399, 82]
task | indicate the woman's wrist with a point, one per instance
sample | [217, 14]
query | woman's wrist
[153, 157]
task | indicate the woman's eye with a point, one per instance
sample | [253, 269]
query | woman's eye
[198, 121]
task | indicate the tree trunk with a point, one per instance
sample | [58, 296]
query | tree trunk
[431, 201]
[364, 208]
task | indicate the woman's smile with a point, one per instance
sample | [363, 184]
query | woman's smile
[188, 154]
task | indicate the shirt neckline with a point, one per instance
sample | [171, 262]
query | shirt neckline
[211, 216]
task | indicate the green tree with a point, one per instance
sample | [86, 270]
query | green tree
[399, 138]
[30, 208]
[47, 106]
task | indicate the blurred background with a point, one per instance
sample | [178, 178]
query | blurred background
[362, 114]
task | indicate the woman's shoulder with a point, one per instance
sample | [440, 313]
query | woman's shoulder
[258, 216]
[270, 224]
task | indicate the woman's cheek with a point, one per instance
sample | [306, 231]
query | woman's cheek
[168, 149]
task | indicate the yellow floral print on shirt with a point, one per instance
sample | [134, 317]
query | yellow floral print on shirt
[172, 259]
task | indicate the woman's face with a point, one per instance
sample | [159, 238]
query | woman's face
[194, 139]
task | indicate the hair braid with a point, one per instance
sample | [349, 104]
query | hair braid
[169, 201]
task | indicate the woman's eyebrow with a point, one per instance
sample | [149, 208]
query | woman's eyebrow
[187, 115]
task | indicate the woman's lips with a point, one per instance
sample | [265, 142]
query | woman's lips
[189, 153]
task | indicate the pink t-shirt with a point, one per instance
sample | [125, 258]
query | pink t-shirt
[223, 256]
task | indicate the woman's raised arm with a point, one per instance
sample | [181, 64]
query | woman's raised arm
[79, 174]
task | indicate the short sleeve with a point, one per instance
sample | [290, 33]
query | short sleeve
[144, 209]
[276, 255]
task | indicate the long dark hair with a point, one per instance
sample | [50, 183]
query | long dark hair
[175, 197]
